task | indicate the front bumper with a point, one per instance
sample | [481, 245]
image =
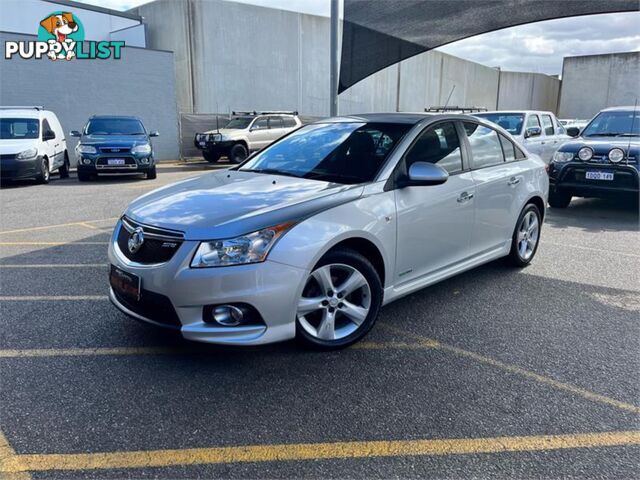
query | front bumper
[13, 169]
[100, 164]
[220, 147]
[571, 178]
[271, 288]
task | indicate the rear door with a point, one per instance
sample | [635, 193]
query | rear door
[434, 222]
[276, 128]
[499, 177]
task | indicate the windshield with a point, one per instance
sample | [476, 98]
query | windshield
[347, 153]
[240, 122]
[19, 128]
[114, 126]
[511, 122]
[614, 124]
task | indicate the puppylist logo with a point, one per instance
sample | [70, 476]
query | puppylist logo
[61, 37]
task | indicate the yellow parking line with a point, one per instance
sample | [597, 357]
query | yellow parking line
[55, 265]
[17, 244]
[84, 223]
[50, 298]
[315, 451]
[435, 344]
[8, 454]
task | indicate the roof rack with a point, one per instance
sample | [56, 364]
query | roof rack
[22, 107]
[455, 109]
[267, 112]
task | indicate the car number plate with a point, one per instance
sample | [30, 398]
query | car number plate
[125, 283]
[115, 161]
[595, 175]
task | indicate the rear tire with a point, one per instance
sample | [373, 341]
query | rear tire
[64, 169]
[238, 153]
[558, 199]
[340, 301]
[211, 157]
[83, 176]
[152, 174]
[44, 174]
[526, 236]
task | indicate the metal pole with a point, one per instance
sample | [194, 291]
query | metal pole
[333, 69]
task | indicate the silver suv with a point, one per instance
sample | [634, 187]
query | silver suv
[246, 132]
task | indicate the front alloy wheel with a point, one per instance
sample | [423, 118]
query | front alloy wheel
[340, 301]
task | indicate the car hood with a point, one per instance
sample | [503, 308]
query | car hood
[230, 203]
[13, 147]
[114, 140]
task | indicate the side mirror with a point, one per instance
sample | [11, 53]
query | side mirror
[154, 133]
[75, 133]
[573, 131]
[424, 173]
[532, 132]
[48, 135]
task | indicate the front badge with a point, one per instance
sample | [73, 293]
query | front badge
[136, 240]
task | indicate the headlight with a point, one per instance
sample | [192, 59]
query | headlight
[215, 137]
[32, 152]
[250, 248]
[616, 155]
[144, 149]
[585, 154]
[560, 157]
[86, 148]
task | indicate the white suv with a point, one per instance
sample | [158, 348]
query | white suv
[32, 144]
[246, 132]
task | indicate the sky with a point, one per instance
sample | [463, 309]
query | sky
[537, 47]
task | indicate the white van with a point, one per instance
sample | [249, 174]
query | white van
[32, 144]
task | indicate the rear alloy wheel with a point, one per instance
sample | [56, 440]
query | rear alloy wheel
[238, 153]
[64, 169]
[340, 301]
[558, 199]
[44, 174]
[526, 236]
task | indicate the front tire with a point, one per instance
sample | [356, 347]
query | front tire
[526, 236]
[152, 174]
[83, 176]
[238, 153]
[558, 199]
[340, 301]
[44, 174]
[211, 157]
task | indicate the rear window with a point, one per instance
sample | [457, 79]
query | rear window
[288, 122]
[485, 145]
[511, 122]
[18, 128]
[114, 126]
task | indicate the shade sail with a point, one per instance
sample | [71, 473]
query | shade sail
[379, 33]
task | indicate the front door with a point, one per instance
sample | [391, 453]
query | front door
[434, 222]
[259, 134]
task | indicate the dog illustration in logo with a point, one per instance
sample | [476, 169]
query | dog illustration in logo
[60, 26]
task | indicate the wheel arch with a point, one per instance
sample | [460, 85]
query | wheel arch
[538, 202]
[367, 249]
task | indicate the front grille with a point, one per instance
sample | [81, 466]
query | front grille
[159, 245]
[115, 149]
[153, 306]
[11, 156]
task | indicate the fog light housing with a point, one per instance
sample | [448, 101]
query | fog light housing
[231, 315]
[86, 161]
[227, 315]
[144, 160]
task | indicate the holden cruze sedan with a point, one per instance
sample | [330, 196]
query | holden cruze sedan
[312, 235]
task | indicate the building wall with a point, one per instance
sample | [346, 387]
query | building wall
[141, 83]
[233, 56]
[593, 82]
[528, 91]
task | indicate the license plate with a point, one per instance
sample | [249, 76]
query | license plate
[595, 175]
[115, 161]
[125, 283]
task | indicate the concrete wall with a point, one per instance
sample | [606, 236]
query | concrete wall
[141, 83]
[528, 91]
[233, 56]
[591, 83]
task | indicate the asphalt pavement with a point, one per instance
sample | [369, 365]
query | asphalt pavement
[496, 373]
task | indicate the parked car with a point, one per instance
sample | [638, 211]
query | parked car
[310, 236]
[114, 144]
[601, 162]
[246, 132]
[573, 122]
[540, 132]
[32, 144]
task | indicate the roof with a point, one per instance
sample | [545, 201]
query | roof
[132, 117]
[622, 109]
[507, 112]
[95, 8]
[20, 113]
[406, 118]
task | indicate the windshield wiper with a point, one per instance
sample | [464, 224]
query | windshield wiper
[604, 135]
[628, 135]
[270, 171]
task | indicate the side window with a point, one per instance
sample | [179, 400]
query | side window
[45, 127]
[508, 148]
[560, 128]
[275, 122]
[548, 125]
[440, 145]
[533, 121]
[261, 123]
[519, 154]
[288, 122]
[485, 145]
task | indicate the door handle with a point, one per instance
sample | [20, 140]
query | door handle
[513, 181]
[542, 143]
[465, 197]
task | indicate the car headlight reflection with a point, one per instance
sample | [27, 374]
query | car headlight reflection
[86, 148]
[616, 155]
[27, 154]
[585, 154]
[560, 157]
[144, 149]
[250, 248]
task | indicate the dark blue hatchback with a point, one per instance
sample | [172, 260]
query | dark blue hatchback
[601, 162]
[114, 144]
